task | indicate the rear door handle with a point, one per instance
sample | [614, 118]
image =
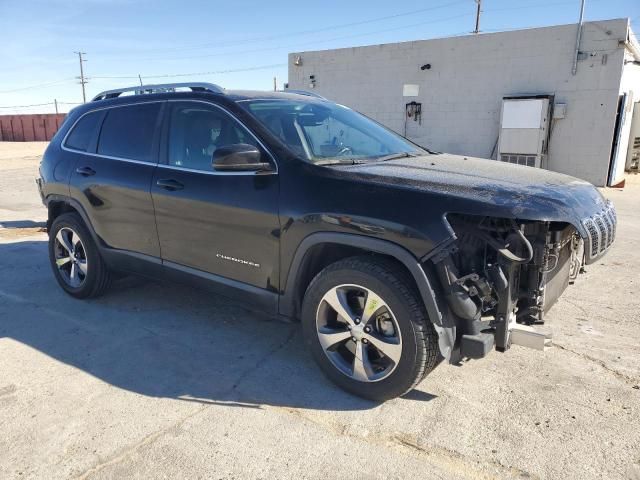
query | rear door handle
[170, 184]
[85, 171]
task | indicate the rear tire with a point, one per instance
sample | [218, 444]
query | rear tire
[387, 345]
[75, 259]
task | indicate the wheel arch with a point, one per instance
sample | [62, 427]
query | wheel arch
[59, 204]
[335, 246]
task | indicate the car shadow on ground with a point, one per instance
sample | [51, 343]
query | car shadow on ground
[164, 340]
[21, 224]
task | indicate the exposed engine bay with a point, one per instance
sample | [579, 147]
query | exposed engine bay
[501, 272]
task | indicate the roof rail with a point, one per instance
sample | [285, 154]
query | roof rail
[304, 92]
[160, 88]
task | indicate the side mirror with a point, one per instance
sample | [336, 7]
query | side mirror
[239, 157]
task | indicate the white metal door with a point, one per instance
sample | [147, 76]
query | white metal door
[620, 142]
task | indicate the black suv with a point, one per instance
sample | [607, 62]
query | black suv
[392, 256]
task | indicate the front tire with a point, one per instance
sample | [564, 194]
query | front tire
[367, 328]
[75, 259]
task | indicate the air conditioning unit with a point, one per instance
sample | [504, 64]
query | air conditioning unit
[524, 129]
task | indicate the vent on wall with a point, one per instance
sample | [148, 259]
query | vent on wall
[528, 160]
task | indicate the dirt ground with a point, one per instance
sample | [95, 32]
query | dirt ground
[162, 381]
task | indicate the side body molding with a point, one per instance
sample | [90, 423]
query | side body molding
[288, 302]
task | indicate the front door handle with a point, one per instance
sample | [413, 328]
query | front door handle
[85, 171]
[170, 184]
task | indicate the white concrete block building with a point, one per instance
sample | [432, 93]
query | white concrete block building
[459, 84]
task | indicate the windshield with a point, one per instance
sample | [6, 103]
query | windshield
[328, 133]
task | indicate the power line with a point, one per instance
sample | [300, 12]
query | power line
[312, 42]
[193, 74]
[302, 32]
[57, 82]
[25, 106]
[539, 5]
[40, 104]
[362, 34]
[165, 75]
[322, 29]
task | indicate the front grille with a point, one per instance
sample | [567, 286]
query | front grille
[601, 229]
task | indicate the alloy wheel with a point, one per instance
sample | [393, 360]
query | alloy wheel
[70, 257]
[359, 333]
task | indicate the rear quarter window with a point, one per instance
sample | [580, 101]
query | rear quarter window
[128, 132]
[83, 132]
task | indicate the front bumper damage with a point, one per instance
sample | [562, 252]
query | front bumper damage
[501, 280]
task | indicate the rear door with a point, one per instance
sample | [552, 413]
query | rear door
[222, 223]
[112, 177]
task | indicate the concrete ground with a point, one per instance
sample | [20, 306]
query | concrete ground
[163, 381]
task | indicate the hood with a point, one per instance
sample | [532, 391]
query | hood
[489, 187]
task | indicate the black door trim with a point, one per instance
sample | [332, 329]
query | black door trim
[249, 296]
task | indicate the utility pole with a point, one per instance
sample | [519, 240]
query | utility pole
[477, 30]
[55, 102]
[275, 84]
[83, 80]
[140, 78]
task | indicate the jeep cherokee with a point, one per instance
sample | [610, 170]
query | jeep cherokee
[393, 257]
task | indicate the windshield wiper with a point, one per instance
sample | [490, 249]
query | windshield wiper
[339, 161]
[360, 161]
[394, 156]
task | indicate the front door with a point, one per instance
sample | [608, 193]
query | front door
[222, 223]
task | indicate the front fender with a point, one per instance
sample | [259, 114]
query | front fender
[446, 331]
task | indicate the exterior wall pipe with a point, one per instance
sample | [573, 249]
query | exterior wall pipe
[578, 38]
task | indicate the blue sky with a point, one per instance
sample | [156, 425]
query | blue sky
[151, 38]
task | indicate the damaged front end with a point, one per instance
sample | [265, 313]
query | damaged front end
[500, 277]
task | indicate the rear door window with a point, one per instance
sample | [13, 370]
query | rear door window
[83, 133]
[128, 132]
